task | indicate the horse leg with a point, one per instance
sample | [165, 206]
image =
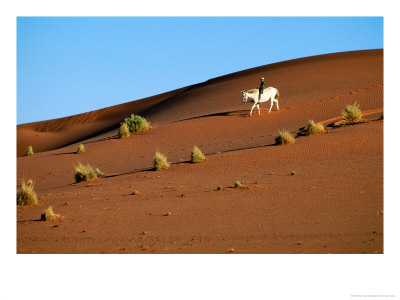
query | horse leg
[251, 112]
[258, 106]
[277, 104]
[272, 103]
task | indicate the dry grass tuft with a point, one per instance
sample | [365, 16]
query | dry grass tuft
[86, 173]
[196, 155]
[81, 149]
[238, 185]
[284, 137]
[313, 129]
[29, 151]
[26, 195]
[136, 123]
[49, 215]
[352, 113]
[160, 162]
[123, 131]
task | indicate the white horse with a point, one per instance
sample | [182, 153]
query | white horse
[270, 93]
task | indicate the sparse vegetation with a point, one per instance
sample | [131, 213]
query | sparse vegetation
[231, 250]
[136, 123]
[135, 192]
[238, 185]
[81, 149]
[312, 128]
[284, 137]
[98, 172]
[29, 151]
[168, 214]
[293, 173]
[196, 155]
[219, 188]
[160, 162]
[352, 113]
[123, 131]
[49, 215]
[26, 195]
[86, 173]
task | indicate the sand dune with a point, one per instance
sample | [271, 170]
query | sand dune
[332, 205]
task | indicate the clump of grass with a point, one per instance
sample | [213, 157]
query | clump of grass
[168, 214]
[293, 173]
[196, 155]
[219, 188]
[123, 131]
[98, 172]
[144, 232]
[135, 192]
[231, 250]
[81, 149]
[284, 137]
[352, 113]
[312, 128]
[49, 215]
[26, 195]
[86, 173]
[136, 123]
[238, 185]
[160, 162]
[29, 151]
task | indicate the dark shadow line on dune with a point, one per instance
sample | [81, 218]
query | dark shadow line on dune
[242, 114]
[64, 153]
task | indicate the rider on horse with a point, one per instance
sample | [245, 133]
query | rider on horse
[261, 88]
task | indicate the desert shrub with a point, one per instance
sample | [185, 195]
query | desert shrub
[49, 215]
[29, 151]
[196, 155]
[86, 173]
[219, 188]
[160, 161]
[352, 113]
[238, 184]
[26, 195]
[313, 128]
[136, 123]
[123, 131]
[98, 172]
[284, 137]
[81, 148]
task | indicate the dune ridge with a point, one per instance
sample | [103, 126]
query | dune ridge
[196, 100]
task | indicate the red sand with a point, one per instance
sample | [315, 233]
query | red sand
[333, 204]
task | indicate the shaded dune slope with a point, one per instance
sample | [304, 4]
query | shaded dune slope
[300, 82]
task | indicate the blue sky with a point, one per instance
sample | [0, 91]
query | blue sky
[67, 66]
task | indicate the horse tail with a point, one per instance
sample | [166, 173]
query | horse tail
[277, 95]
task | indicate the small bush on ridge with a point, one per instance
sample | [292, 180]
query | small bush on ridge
[49, 215]
[136, 123]
[313, 128]
[284, 137]
[160, 161]
[26, 195]
[123, 131]
[29, 151]
[238, 185]
[352, 113]
[86, 173]
[81, 148]
[196, 155]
